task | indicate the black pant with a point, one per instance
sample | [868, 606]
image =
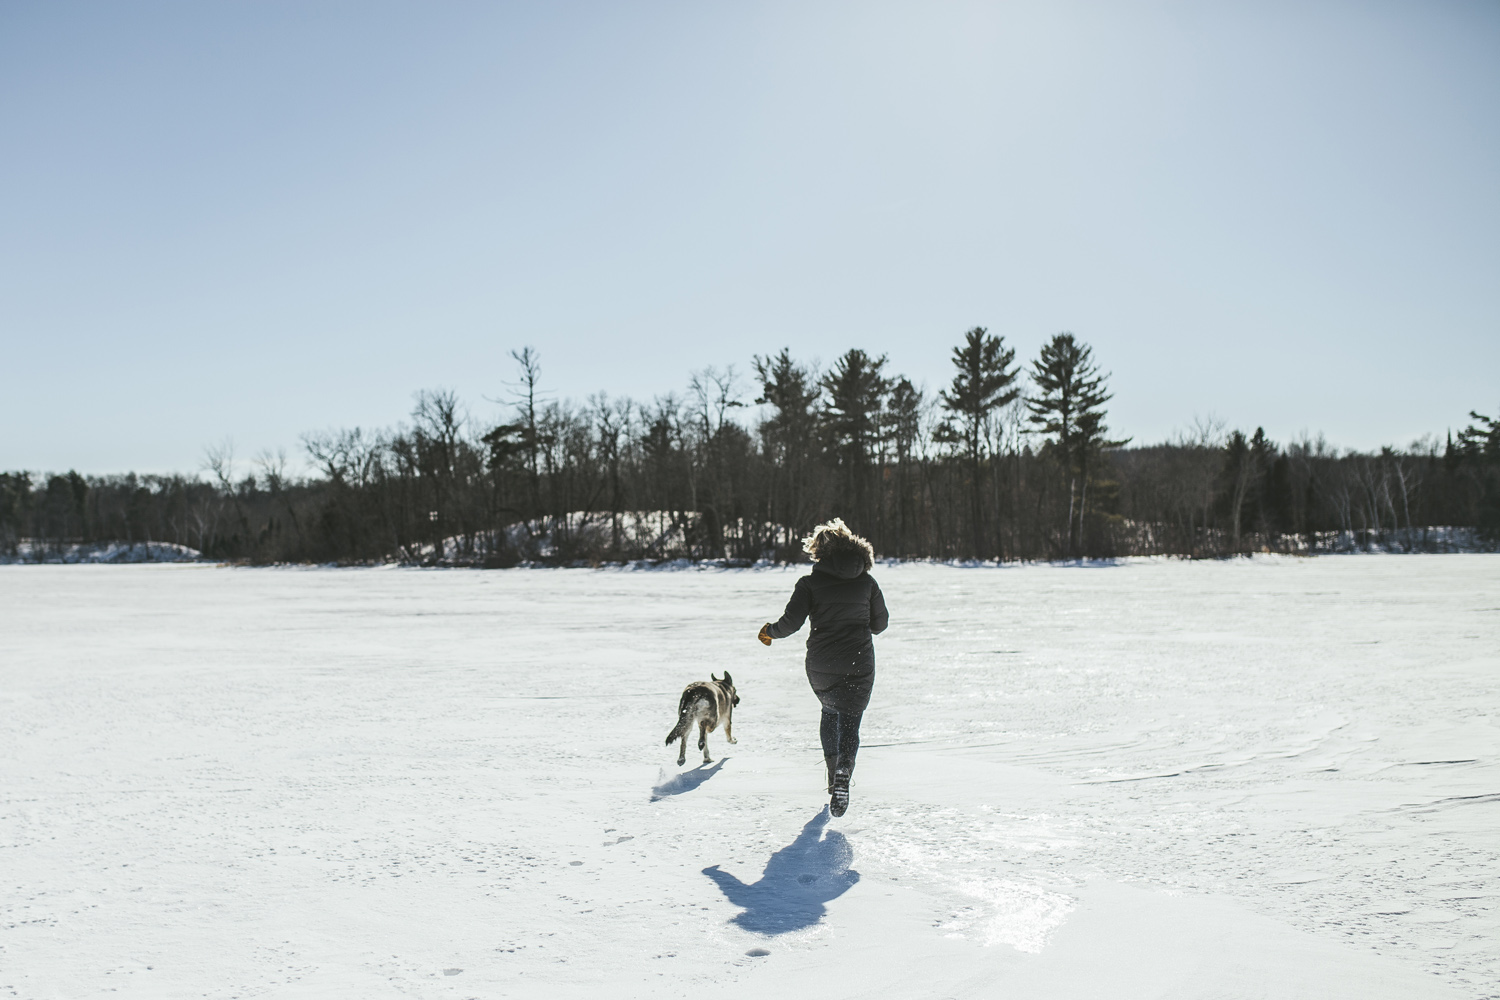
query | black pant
[840, 733]
[843, 697]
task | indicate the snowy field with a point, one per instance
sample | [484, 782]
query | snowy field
[1267, 778]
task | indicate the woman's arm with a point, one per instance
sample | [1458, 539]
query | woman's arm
[795, 613]
[879, 616]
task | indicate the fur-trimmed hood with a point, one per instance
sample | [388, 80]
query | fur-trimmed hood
[844, 556]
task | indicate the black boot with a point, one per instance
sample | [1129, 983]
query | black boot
[830, 764]
[838, 802]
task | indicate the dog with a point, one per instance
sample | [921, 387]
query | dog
[704, 704]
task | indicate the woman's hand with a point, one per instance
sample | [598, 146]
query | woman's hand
[765, 633]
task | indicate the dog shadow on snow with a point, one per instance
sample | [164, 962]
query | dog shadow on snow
[798, 880]
[685, 781]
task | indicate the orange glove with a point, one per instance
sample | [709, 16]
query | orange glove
[765, 633]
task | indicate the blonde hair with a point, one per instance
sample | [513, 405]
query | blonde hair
[832, 534]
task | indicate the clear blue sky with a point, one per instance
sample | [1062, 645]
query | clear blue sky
[250, 220]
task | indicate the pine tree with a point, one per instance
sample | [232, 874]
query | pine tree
[1480, 439]
[856, 389]
[1478, 454]
[1070, 408]
[984, 383]
[788, 438]
[1246, 463]
[903, 428]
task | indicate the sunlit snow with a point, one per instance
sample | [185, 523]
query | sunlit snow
[1269, 777]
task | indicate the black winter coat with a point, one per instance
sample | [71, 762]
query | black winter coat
[846, 607]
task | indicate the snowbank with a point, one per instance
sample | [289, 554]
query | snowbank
[101, 552]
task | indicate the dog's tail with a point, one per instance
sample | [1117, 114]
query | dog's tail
[692, 703]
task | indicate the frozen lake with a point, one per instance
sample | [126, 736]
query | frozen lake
[1262, 778]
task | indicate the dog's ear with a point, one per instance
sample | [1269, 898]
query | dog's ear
[727, 679]
[713, 678]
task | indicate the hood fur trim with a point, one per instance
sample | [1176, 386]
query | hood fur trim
[839, 551]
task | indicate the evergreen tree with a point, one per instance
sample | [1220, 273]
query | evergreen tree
[1478, 455]
[1246, 463]
[788, 439]
[1070, 408]
[15, 503]
[1279, 511]
[904, 428]
[1481, 439]
[855, 389]
[984, 383]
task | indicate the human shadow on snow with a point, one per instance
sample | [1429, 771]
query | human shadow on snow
[797, 881]
[685, 781]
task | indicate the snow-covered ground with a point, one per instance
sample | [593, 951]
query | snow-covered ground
[1261, 778]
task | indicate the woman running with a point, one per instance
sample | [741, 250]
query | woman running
[847, 609]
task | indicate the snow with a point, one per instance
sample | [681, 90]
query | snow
[28, 551]
[1273, 777]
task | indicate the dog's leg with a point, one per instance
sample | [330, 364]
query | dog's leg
[729, 724]
[682, 731]
[703, 741]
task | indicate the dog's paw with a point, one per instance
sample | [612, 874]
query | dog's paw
[733, 740]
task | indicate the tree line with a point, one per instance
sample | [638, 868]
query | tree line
[1007, 462]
